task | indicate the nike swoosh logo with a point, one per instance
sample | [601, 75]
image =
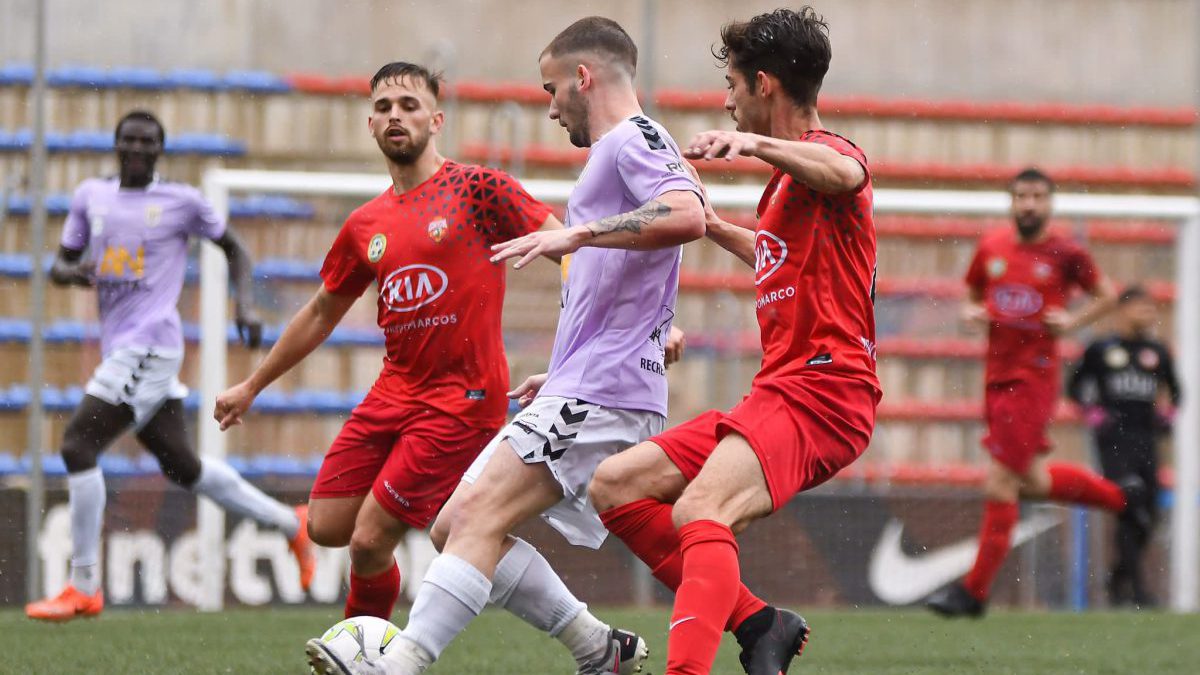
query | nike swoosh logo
[900, 579]
[671, 627]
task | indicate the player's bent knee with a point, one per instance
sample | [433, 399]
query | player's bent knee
[78, 454]
[372, 549]
[439, 533]
[610, 485]
[693, 506]
[329, 532]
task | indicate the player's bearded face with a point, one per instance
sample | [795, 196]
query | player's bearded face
[1031, 207]
[403, 120]
[741, 102]
[568, 106]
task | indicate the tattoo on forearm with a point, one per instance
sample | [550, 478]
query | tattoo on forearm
[633, 221]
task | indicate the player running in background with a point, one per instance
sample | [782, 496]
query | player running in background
[127, 236]
[811, 407]
[633, 207]
[1117, 384]
[425, 242]
[1018, 286]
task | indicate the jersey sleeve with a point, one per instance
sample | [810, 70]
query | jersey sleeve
[648, 172]
[344, 271]
[844, 147]
[1082, 269]
[507, 210]
[976, 277]
[76, 231]
[1167, 375]
[205, 221]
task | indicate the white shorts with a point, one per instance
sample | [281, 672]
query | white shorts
[143, 379]
[571, 438]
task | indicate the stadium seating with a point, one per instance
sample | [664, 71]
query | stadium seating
[931, 371]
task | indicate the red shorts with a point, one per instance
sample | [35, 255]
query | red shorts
[803, 428]
[1018, 414]
[410, 458]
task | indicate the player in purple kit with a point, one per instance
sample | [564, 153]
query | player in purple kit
[127, 236]
[633, 207]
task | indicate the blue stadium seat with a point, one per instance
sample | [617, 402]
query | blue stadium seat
[84, 140]
[204, 144]
[128, 77]
[195, 78]
[16, 74]
[256, 81]
[89, 77]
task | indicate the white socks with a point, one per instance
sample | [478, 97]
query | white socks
[451, 595]
[525, 585]
[86, 499]
[220, 483]
[587, 637]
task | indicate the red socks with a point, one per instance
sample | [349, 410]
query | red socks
[1074, 484]
[995, 535]
[374, 596]
[705, 598]
[646, 528]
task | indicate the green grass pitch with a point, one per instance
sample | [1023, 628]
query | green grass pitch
[246, 641]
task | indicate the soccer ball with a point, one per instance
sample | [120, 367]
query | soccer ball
[360, 638]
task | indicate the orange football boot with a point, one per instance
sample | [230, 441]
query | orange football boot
[301, 547]
[69, 604]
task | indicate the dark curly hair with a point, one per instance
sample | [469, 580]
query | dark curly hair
[791, 45]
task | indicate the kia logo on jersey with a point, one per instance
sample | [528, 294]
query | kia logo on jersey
[1016, 300]
[769, 253]
[413, 286]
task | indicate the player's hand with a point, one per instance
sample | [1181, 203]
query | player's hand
[1058, 321]
[249, 326]
[553, 243]
[676, 342]
[528, 390]
[974, 315]
[232, 404]
[717, 144]
[710, 215]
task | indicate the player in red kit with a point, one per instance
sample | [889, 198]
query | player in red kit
[1019, 283]
[426, 244]
[678, 499]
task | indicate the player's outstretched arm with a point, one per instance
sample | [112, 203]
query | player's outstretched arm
[241, 276]
[818, 166]
[304, 333]
[70, 269]
[675, 217]
[734, 238]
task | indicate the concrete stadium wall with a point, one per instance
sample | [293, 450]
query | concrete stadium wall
[1127, 52]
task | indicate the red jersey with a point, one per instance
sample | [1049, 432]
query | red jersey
[440, 298]
[1018, 283]
[814, 269]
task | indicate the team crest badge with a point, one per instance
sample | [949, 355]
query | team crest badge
[1116, 357]
[376, 248]
[1148, 358]
[1041, 270]
[154, 214]
[996, 267]
[437, 229]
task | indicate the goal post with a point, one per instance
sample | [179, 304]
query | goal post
[1185, 520]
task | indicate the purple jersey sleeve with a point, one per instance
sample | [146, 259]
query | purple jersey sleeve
[205, 221]
[76, 231]
[648, 173]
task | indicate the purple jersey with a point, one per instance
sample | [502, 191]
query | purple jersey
[138, 239]
[618, 304]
